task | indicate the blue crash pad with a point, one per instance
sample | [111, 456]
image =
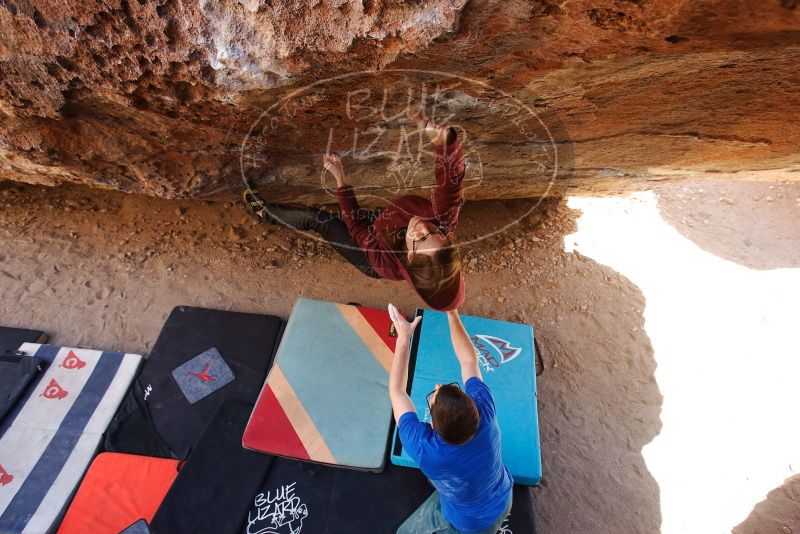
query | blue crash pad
[507, 358]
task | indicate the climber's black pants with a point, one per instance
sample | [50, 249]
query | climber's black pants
[329, 225]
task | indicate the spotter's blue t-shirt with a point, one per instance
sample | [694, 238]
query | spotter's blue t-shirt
[474, 486]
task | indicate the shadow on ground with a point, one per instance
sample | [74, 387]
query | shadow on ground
[599, 403]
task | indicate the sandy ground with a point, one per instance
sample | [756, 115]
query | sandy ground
[667, 321]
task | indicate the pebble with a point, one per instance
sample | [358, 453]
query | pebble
[237, 232]
[501, 299]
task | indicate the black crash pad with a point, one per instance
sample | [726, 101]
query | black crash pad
[16, 372]
[212, 490]
[156, 417]
[224, 488]
[12, 338]
[328, 500]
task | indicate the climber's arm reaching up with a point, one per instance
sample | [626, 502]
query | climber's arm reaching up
[462, 345]
[398, 376]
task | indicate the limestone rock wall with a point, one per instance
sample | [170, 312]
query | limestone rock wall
[184, 98]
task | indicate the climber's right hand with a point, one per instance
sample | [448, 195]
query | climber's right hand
[437, 133]
[333, 164]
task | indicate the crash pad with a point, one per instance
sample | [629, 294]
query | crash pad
[139, 527]
[278, 495]
[201, 358]
[305, 498]
[117, 491]
[16, 373]
[507, 360]
[212, 491]
[51, 435]
[12, 338]
[326, 398]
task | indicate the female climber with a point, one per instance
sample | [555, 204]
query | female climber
[411, 239]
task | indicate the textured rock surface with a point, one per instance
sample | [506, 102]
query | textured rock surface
[179, 99]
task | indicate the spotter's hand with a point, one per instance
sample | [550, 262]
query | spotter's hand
[403, 327]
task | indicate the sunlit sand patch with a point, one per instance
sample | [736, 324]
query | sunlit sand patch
[725, 340]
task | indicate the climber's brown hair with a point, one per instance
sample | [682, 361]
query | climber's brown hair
[454, 415]
[433, 276]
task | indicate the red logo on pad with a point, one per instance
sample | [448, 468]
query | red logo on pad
[72, 362]
[203, 375]
[5, 477]
[54, 391]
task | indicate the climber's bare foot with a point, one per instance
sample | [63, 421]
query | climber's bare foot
[439, 134]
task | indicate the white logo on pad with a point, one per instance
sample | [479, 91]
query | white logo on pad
[277, 512]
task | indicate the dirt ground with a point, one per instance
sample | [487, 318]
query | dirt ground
[103, 269]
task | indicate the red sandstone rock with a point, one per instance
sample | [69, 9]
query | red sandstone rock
[180, 99]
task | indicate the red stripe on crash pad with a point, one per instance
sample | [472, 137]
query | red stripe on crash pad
[381, 323]
[269, 429]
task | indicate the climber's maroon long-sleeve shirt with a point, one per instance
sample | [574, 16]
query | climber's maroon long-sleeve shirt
[442, 210]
